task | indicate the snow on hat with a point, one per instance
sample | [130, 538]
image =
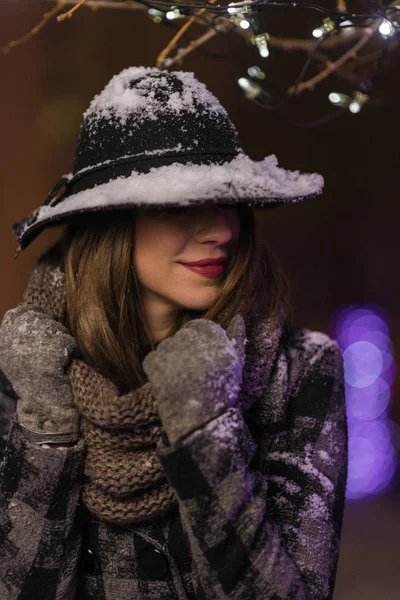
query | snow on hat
[161, 138]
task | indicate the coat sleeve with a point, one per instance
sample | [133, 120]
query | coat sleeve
[271, 533]
[39, 540]
[8, 400]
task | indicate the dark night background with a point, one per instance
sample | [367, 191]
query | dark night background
[339, 248]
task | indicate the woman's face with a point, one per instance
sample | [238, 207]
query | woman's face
[166, 238]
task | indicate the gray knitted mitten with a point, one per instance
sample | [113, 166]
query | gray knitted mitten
[35, 351]
[197, 373]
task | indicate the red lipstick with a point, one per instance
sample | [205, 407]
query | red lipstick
[208, 267]
[206, 261]
[210, 271]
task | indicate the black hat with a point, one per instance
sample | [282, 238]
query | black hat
[161, 138]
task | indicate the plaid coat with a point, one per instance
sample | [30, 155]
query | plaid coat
[261, 498]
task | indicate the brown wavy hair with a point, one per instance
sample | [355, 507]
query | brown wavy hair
[104, 310]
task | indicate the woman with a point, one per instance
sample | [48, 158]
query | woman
[175, 436]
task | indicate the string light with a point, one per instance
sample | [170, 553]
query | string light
[379, 19]
[244, 24]
[346, 27]
[335, 22]
[156, 15]
[250, 88]
[242, 8]
[342, 100]
[240, 21]
[261, 42]
[354, 103]
[386, 29]
[325, 29]
[174, 14]
[256, 72]
[358, 102]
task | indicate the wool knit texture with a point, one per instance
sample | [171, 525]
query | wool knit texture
[123, 478]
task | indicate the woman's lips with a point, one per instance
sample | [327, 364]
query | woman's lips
[209, 271]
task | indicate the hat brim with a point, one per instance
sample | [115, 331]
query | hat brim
[239, 181]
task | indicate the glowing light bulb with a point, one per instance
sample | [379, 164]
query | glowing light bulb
[354, 107]
[261, 42]
[386, 28]
[173, 14]
[357, 102]
[251, 89]
[239, 7]
[338, 99]
[244, 24]
[156, 15]
[317, 33]
[256, 72]
[346, 27]
[334, 98]
[327, 27]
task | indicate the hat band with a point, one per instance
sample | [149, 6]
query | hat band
[134, 158]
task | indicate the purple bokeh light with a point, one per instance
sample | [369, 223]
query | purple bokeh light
[362, 334]
[369, 402]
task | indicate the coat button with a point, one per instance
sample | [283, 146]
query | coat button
[153, 562]
[89, 562]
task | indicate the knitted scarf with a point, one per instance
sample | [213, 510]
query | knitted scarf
[124, 481]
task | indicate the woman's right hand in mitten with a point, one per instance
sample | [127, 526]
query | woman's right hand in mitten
[35, 350]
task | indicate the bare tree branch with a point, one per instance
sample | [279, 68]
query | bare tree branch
[352, 53]
[71, 11]
[45, 18]
[346, 66]
[161, 58]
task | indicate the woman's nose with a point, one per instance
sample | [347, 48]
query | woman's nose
[216, 223]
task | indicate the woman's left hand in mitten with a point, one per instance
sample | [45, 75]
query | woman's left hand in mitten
[197, 373]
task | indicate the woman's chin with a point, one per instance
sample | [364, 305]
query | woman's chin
[201, 301]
